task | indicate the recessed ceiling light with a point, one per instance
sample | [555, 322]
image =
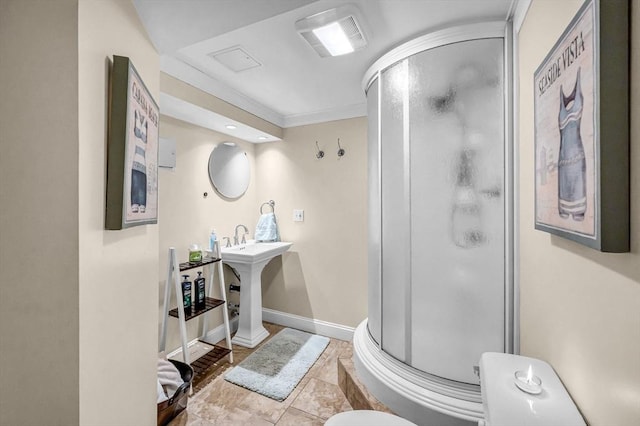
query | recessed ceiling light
[262, 138]
[230, 126]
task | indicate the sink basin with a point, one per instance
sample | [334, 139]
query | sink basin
[253, 252]
[249, 260]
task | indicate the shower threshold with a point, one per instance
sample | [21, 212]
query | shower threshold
[411, 394]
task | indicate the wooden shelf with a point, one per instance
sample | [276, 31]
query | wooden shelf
[203, 365]
[210, 303]
[185, 266]
[207, 364]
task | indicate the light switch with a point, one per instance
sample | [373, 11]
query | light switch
[298, 215]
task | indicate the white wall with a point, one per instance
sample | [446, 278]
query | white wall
[580, 309]
[324, 274]
[187, 216]
[38, 213]
[118, 270]
[78, 303]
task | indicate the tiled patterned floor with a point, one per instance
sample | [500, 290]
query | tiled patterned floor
[316, 398]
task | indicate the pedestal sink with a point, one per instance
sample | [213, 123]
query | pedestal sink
[249, 260]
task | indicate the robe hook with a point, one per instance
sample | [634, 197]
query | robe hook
[320, 152]
[340, 150]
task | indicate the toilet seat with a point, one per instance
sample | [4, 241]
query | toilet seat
[367, 417]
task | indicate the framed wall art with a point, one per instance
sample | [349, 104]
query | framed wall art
[582, 130]
[132, 150]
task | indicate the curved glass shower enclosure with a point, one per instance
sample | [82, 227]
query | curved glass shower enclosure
[440, 207]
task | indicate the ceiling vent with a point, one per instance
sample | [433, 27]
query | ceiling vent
[235, 58]
[333, 32]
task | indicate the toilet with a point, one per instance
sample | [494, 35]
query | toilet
[368, 418]
[516, 390]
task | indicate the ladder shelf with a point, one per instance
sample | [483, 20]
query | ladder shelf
[203, 363]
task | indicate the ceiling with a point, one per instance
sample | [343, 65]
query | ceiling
[293, 85]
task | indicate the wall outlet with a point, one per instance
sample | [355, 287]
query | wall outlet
[298, 215]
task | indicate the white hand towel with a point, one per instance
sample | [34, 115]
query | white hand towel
[169, 377]
[267, 228]
[161, 395]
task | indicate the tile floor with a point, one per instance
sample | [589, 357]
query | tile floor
[316, 398]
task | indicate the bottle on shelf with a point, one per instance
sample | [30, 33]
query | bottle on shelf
[186, 293]
[212, 240]
[200, 291]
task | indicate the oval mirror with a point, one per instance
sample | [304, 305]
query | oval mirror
[229, 170]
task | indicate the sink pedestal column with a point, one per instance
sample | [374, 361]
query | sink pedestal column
[250, 329]
[249, 260]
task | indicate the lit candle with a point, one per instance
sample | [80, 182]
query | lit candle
[528, 382]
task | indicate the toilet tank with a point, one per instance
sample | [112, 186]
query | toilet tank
[505, 404]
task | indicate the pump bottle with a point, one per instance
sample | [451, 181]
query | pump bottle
[186, 293]
[200, 292]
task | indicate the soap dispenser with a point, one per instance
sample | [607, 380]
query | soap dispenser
[212, 240]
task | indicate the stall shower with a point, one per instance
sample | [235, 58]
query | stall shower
[440, 227]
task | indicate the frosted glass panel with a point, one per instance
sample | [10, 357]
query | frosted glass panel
[395, 210]
[374, 214]
[457, 207]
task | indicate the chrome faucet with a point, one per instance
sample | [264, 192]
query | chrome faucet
[228, 241]
[235, 237]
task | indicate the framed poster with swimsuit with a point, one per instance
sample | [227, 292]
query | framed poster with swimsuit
[132, 151]
[581, 93]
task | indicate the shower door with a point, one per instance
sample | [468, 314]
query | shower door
[437, 158]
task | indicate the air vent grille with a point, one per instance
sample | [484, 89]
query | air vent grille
[235, 58]
[350, 28]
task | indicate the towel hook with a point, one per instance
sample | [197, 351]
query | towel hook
[340, 150]
[270, 203]
[320, 152]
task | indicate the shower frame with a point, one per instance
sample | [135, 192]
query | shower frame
[406, 390]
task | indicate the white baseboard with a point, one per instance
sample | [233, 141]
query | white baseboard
[212, 337]
[217, 334]
[310, 325]
[324, 328]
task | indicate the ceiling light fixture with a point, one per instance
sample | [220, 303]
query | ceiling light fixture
[334, 39]
[333, 32]
[262, 138]
[230, 126]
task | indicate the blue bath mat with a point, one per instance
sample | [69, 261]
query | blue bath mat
[277, 367]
